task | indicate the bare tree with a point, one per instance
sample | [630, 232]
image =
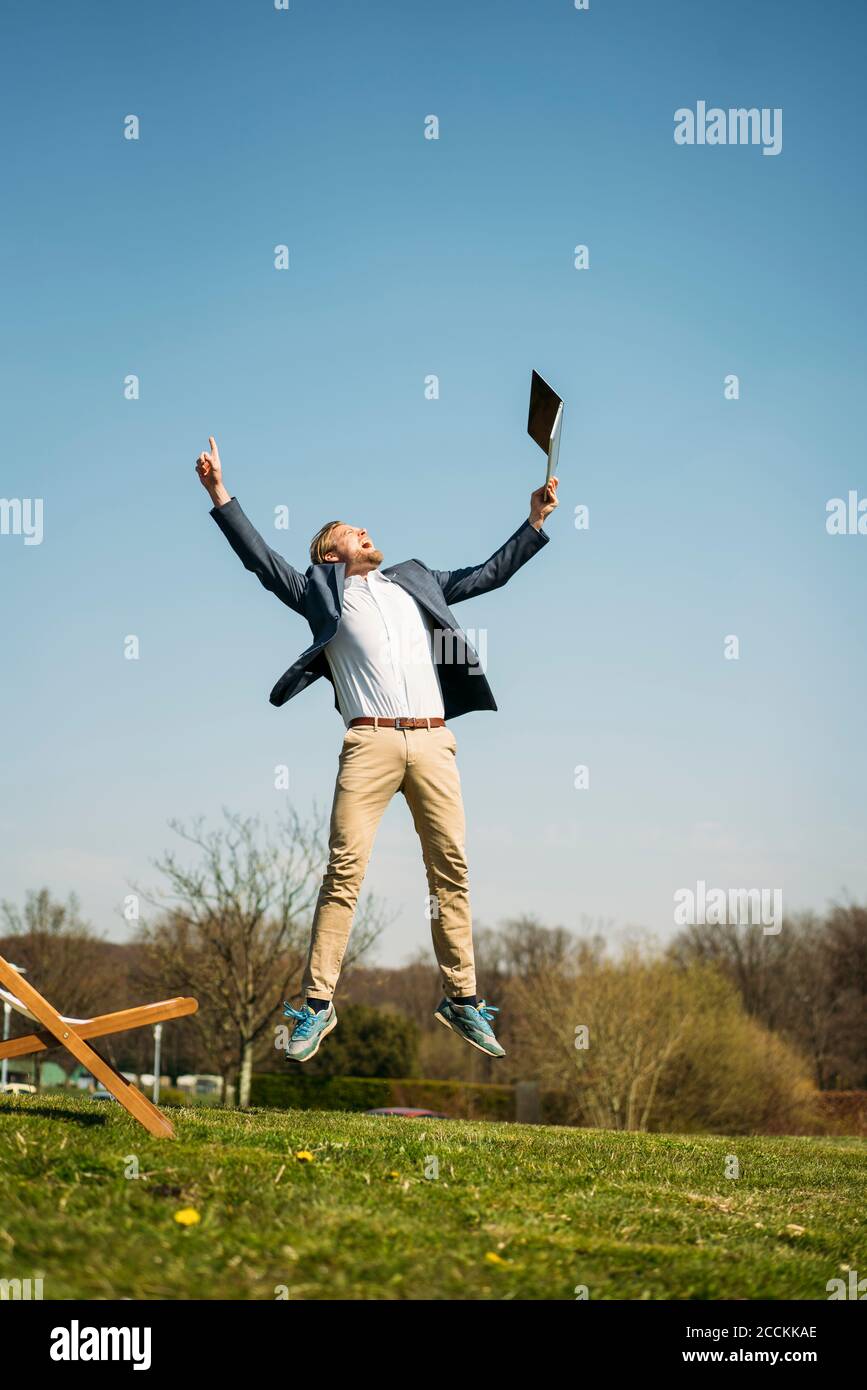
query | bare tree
[754, 962]
[808, 983]
[235, 926]
[64, 958]
[845, 952]
[518, 948]
[413, 989]
[612, 1027]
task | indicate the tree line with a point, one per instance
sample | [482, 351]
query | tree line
[723, 1027]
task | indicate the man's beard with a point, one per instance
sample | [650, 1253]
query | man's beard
[372, 558]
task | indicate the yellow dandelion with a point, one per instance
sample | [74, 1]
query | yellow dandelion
[187, 1217]
[494, 1259]
[304, 1156]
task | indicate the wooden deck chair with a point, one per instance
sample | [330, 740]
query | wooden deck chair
[72, 1032]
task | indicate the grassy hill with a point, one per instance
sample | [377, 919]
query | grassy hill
[516, 1212]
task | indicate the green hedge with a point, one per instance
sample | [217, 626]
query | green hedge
[457, 1099]
[839, 1112]
[278, 1092]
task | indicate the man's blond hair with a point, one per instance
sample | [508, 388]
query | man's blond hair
[321, 542]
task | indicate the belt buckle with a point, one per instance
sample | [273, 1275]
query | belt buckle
[404, 723]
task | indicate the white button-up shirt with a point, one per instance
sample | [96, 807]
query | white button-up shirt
[381, 656]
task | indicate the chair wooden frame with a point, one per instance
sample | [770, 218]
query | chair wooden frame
[72, 1034]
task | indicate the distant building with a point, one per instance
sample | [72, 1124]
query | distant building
[82, 1079]
[201, 1084]
[50, 1074]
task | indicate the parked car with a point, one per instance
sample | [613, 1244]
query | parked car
[406, 1112]
[18, 1088]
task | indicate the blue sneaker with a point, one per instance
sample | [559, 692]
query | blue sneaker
[471, 1024]
[310, 1028]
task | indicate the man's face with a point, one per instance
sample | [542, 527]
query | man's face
[353, 546]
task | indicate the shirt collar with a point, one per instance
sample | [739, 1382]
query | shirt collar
[357, 579]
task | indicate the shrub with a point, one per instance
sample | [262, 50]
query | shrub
[368, 1042]
[305, 1092]
[669, 1049]
[734, 1076]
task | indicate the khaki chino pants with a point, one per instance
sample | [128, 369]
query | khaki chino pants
[374, 764]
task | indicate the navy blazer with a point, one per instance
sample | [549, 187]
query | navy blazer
[318, 597]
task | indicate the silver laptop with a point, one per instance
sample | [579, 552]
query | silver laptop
[545, 420]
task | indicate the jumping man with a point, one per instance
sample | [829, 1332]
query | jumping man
[400, 667]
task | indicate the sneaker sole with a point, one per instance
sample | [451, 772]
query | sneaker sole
[464, 1038]
[324, 1034]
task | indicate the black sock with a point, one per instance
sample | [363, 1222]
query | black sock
[317, 1005]
[467, 999]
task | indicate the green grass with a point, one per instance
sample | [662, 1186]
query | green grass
[631, 1216]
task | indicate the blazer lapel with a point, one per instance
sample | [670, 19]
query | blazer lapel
[328, 580]
[336, 576]
[414, 580]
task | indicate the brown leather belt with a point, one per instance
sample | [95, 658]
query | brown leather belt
[398, 723]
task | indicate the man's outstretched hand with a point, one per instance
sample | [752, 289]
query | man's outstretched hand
[210, 473]
[542, 502]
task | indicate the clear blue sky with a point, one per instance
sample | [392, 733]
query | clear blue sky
[454, 257]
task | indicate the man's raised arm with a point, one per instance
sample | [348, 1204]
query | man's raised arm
[518, 549]
[272, 571]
